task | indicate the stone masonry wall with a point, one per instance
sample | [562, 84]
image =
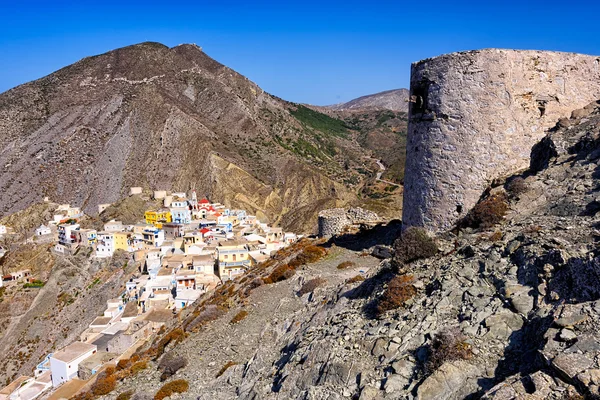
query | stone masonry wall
[334, 221]
[474, 117]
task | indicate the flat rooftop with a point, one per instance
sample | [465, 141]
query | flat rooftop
[73, 351]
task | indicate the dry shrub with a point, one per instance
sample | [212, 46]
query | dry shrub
[414, 244]
[138, 366]
[448, 345]
[346, 264]
[355, 279]
[206, 314]
[239, 316]
[399, 290]
[496, 236]
[123, 364]
[279, 274]
[176, 386]
[310, 286]
[254, 283]
[125, 395]
[516, 187]
[106, 382]
[487, 213]
[225, 368]
[170, 364]
[175, 336]
[309, 254]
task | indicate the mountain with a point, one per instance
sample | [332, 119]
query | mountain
[504, 310]
[394, 100]
[173, 118]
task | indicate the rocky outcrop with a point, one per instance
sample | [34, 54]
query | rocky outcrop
[474, 117]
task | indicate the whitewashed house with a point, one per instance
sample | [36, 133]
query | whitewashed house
[105, 244]
[64, 364]
[43, 230]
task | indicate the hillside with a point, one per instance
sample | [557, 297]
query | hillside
[393, 100]
[172, 118]
[507, 308]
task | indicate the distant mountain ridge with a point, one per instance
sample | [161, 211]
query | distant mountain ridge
[395, 100]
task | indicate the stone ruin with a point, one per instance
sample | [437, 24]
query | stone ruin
[474, 117]
[335, 221]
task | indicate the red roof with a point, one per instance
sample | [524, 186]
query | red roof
[204, 201]
[204, 231]
[217, 214]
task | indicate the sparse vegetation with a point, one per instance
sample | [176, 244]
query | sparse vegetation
[309, 254]
[319, 121]
[356, 279]
[225, 367]
[176, 386]
[125, 395]
[239, 317]
[346, 265]
[105, 383]
[414, 244]
[516, 187]
[34, 283]
[279, 274]
[448, 345]
[310, 286]
[399, 290]
[487, 213]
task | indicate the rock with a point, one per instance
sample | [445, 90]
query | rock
[381, 251]
[395, 383]
[453, 380]
[569, 365]
[369, 393]
[503, 324]
[567, 335]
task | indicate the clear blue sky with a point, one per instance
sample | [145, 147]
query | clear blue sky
[304, 51]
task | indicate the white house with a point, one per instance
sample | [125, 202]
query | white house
[105, 245]
[114, 226]
[66, 234]
[64, 364]
[42, 230]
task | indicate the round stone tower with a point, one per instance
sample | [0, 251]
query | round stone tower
[474, 116]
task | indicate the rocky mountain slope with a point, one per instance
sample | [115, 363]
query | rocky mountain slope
[507, 308]
[172, 118]
[394, 100]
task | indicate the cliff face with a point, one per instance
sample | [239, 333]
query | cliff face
[161, 118]
[474, 117]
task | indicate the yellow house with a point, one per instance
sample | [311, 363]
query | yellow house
[121, 241]
[233, 259]
[157, 218]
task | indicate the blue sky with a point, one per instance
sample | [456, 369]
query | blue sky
[311, 52]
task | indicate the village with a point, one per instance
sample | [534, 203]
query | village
[184, 248]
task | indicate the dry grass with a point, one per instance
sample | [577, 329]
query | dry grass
[177, 386]
[399, 290]
[310, 286]
[449, 345]
[309, 254]
[239, 317]
[346, 265]
[225, 367]
[279, 274]
[125, 395]
[355, 279]
[106, 382]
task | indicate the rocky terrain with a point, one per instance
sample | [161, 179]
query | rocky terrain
[35, 321]
[508, 309]
[172, 118]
